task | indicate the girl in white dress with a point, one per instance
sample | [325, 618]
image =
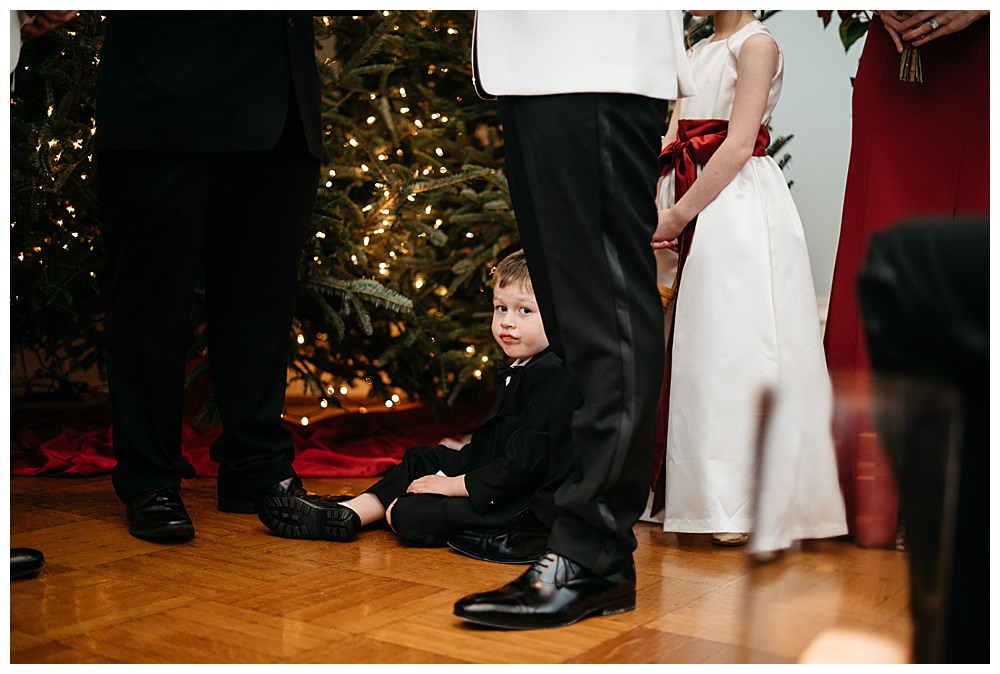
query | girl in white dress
[746, 319]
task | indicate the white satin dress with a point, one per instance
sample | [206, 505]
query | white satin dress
[746, 321]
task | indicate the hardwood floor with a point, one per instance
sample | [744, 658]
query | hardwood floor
[237, 594]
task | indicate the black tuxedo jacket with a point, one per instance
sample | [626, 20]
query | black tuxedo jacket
[510, 452]
[206, 81]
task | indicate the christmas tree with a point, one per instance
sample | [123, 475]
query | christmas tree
[411, 214]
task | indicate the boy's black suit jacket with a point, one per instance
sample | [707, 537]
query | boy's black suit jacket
[512, 452]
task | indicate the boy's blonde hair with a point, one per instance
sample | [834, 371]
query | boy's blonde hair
[512, 269]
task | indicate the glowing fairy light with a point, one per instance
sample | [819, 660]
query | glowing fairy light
[427, 209]
[304, 421]
[320, 235]
[470, 349]
[343, 390]
[301, 339]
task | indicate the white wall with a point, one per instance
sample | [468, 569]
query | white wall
[815, 107]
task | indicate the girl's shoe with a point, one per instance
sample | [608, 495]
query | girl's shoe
[730, 539]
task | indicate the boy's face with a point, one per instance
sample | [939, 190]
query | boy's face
[517, 323]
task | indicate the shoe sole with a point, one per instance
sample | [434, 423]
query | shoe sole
[495, 560]
[611, 607]
[291, 517]
[170, 533]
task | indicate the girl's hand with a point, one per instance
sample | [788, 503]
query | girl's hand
[439, 484]
[669, 226]
[918, 29]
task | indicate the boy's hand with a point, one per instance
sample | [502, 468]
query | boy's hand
[439, 484]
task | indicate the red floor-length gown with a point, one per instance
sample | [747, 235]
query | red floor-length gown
[916, 149]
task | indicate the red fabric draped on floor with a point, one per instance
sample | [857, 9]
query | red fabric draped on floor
[76, 440]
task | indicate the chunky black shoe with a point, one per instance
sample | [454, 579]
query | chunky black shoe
[553, 592]
[249, 503]
[159, 515]
[25, 562]
[309, 516]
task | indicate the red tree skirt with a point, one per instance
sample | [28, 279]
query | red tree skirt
[60, 440]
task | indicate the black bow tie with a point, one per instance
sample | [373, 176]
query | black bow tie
[505, 371]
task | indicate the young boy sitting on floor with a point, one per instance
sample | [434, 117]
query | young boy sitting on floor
[437, 491]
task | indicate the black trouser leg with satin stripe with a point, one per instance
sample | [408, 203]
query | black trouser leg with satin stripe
[582, 170]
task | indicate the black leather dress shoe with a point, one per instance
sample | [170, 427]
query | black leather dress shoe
[159, 515]
[249, 503]
[25, 562]
[553, 592]
[505, 546]
[309, 516]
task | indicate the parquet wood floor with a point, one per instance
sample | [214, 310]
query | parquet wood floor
[237, 594]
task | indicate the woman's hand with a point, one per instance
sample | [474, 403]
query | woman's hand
[922, 27]
[439, 484]
[669, 226]
[892, 20]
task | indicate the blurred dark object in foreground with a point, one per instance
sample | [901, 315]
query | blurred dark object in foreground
[924, 296]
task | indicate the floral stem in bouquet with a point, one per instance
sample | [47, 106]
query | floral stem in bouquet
[910, 69]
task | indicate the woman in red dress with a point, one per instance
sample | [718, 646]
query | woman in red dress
[917, 148]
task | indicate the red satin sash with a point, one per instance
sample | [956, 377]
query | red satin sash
[697, 140]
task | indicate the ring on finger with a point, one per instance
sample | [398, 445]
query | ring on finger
[934, 24]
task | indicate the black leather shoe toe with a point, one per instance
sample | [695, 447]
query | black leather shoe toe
[249, 503]
[309, 516]
[507, 546]
[553, 592]
[159, 515]
[25, 562]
